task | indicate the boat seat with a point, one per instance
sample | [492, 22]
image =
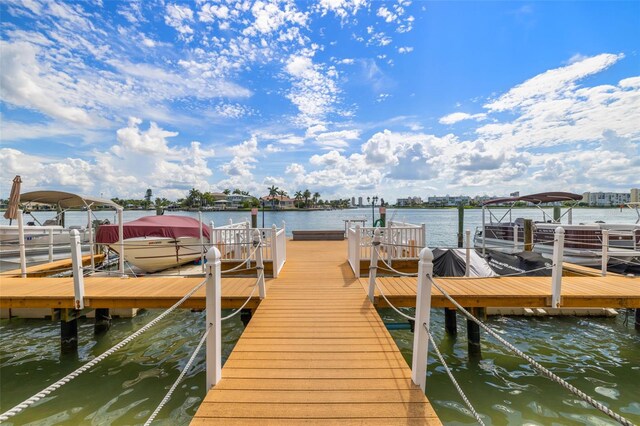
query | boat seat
[50, 222]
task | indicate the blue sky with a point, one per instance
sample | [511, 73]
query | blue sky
[341, 97]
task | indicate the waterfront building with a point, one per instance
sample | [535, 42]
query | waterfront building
[448, 200]
[353, 201]
[605, 199]
[635, 195]
[237, 200]
[279, 202]
[409, 201]
[359, 201]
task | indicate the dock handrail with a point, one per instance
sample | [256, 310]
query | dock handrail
[422, 336]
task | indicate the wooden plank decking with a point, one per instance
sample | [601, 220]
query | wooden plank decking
[52, 267]
[115, 292]
[527, 292]
[316, 351]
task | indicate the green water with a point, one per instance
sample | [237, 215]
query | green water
[600, 356]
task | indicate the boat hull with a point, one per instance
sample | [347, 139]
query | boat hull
[153, 254]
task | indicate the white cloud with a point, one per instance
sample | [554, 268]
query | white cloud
[295, 169]
[551, 84]
[178, 17]
[406, 49]
[460, 116]
[337, 140]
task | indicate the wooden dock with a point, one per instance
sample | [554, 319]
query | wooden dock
[316, 351]
[115, 292]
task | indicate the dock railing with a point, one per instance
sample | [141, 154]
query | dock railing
[233, 241]
[402, 241]
[423, 337]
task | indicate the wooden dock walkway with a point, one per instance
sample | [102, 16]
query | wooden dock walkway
[524, 292]
[115, 292]
[316, 351]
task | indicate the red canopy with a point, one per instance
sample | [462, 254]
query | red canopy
[154, 226]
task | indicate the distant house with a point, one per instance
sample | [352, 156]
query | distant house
[237, 200]
[279, 202]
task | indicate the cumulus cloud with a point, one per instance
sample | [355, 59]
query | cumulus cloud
[460, 116]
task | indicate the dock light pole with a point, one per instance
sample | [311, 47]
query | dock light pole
[373, 207]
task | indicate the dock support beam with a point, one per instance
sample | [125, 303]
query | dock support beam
[473, 334]
[450, 322]
[213, 302]
[102, 321]
[638, 319]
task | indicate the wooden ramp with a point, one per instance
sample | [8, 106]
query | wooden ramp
[316, 351]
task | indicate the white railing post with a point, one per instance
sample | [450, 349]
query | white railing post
[50, 245]
[91, 247]
[515, 237]
[373, 264]
[212, 235]
[21, 247]
[200, 224]
[605, 251]
[259, 263]
[389, 248]
[556, 272]
[121, 240]
[467, 257]
[423, 311]
[213, 306]
[76, 263]
[274, 250]
[230, 221]
[356, 258]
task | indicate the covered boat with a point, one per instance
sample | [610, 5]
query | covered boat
[154, 243]
[582, 242]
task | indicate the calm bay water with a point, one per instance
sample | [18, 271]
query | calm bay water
[600, 356]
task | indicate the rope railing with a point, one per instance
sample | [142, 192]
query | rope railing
[179, 379]
[542, 370]
[255, 287]
[453, 379]
[66, 379]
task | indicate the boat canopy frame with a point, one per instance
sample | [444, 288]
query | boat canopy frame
[64, 201]
[536, 200]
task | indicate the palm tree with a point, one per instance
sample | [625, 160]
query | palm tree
[226, 191]
[316, 195]
[273, 191]
[298, 196]
[306, 194]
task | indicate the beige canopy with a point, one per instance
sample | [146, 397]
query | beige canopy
[65, 200]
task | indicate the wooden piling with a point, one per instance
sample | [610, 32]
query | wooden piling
[245, 316]
[528, 235]
[102, 321]
[450, 322]
[460, 225]
[473, 334]
[68, 336]
[638, 319]
[254, 218]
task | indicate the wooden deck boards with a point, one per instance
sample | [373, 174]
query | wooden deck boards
[316, 351]
[612, 291]
[115, 292]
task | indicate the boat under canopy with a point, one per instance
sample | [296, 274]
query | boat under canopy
[154, 226]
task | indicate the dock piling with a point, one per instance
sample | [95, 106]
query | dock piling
[473, 334]
[68, 336]
[373, 264]
[450, 322]
[78, 275]
[102, 321]
[528, 235]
